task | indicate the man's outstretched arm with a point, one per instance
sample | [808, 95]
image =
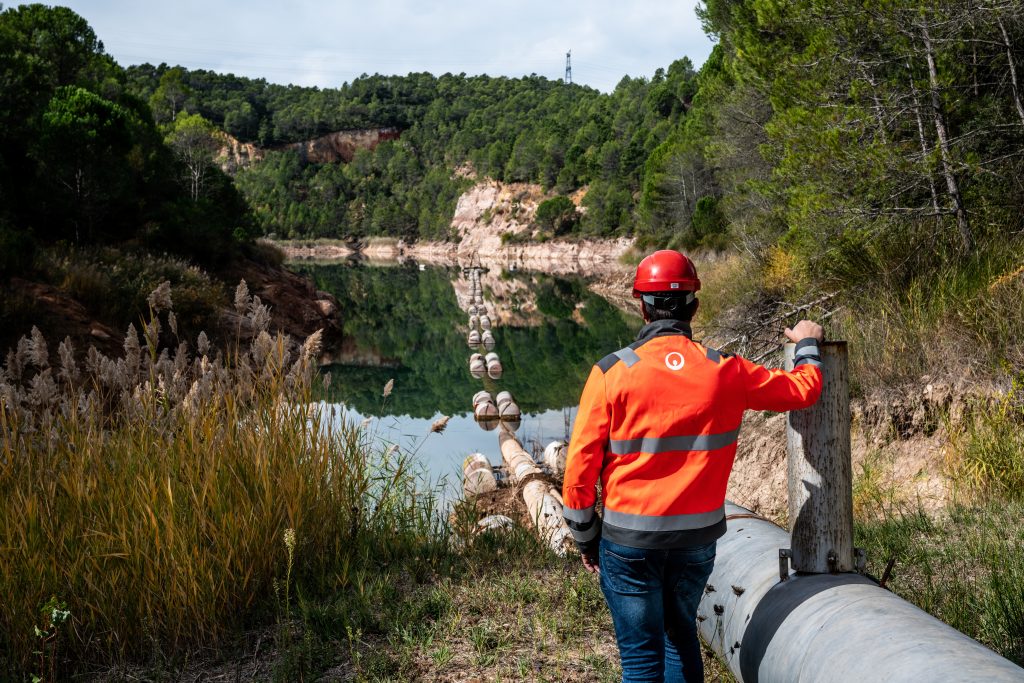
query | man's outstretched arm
[780, 390]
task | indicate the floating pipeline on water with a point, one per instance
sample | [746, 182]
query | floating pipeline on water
[489, 414]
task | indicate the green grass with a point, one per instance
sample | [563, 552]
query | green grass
[965, 567]
[988, 448]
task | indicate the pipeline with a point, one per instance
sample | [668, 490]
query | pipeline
[824, 627]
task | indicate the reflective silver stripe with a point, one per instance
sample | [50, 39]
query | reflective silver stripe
[807, 361]
[628, 356]
[664, 444]
[699, 520]
[588, 535]
[806, 351]
[578, 516]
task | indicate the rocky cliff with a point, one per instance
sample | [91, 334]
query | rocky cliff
[494, 222]
[336, 147]
[235, 154]
[495, 225]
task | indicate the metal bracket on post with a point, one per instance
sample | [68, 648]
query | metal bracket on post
[784, 556]
[833, 562]
[860, 560]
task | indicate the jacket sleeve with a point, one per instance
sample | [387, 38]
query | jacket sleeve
[584, 461]
[779, 390]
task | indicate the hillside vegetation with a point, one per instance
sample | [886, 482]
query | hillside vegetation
[514, 129]
[161, 499]
[99, 203]
[873, 151]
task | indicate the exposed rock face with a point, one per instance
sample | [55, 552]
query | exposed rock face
[300, 250]
[336, 147]
[341, 146]
[483, 215]
[490, 219]
[234, 154]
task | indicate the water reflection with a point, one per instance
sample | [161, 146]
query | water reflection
[411, 325]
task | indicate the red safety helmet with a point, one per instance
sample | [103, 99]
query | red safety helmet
[665, 271]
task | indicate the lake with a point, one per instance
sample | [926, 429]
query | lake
[409, 323]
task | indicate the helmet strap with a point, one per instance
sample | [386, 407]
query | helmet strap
[668, 303]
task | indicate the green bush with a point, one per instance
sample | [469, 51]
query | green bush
[558, 215]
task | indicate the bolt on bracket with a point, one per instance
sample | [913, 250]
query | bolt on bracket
[785, 554]
[860, 560]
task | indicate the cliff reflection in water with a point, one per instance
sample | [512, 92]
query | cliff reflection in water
[406, 324]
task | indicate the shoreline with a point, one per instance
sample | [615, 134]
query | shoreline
[555, 257]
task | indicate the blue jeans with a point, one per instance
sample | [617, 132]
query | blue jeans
[653, 597]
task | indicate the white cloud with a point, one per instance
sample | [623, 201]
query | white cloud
[325, 44]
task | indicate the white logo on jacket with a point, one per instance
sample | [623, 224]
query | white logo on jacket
[674, 361]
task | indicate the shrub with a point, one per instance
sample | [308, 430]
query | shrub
[558, 214]
[114, 282]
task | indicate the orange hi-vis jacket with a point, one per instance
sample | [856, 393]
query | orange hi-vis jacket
[657, 423]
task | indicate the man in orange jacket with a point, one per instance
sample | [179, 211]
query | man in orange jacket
[657, 424]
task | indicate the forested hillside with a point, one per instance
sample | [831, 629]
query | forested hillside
[80, 157]
[528, 129]
[873, 149]
[99, 203]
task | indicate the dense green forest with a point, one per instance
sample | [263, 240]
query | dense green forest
[529, 129]
[874, 150]
[82, 161]
[842, 146]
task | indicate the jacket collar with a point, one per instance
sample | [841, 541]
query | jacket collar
[660, 328]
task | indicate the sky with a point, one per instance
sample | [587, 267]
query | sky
[325, 43]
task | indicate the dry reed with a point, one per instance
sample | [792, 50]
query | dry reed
[149, 492]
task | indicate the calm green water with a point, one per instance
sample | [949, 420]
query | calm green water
[406, 324]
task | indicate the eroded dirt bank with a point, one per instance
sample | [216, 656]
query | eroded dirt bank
[296, 308]
[900, 449]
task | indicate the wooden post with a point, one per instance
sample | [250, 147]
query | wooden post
[820, 471]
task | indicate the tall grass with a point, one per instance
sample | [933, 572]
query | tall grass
[987, 450]
[961, 319]
[151, 493]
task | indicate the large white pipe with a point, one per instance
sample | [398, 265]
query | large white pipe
[544, 504]
[825, 627]
[518, 463]
[477, 475]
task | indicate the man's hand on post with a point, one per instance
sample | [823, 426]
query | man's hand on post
[805, 329]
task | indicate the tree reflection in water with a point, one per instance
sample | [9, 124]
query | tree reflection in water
[405, 323]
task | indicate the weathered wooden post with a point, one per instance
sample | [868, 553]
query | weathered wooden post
[820, 471]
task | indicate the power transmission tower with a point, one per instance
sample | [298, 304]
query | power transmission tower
[568, 66]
